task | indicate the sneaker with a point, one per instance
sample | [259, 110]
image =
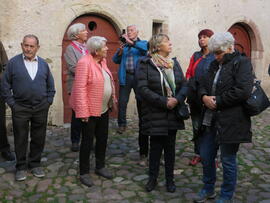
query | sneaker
[38, 172]
[195, 160]
[75, 147]
[221, 200]
[86, 180]
[121, 129]
[202, 196]
[8, 156]
[104, 172]
[20, 175]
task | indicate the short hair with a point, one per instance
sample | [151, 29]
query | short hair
[136, 27]
[221, 41]
[31, 36]
[95, 43]
[74, 30]
[155, 42]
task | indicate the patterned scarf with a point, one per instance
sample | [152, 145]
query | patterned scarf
[161, 61]
[81, 47]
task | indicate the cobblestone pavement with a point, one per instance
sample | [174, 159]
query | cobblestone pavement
[61, 182]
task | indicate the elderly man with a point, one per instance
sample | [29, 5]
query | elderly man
[28, 89]
[131, 49]
[4, 145]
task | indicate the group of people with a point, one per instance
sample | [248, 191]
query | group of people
[214, 87]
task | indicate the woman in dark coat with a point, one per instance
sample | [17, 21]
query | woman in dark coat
[224, 124]
[162, 86]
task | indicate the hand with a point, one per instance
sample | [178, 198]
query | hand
[171, 102]
[209, 102]
[85, 120]
[128, 41]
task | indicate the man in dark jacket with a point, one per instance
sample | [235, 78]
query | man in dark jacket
[28, 88]
[4, 145]
[224, 124]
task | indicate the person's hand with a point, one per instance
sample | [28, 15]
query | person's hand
[209, 102]
[171, 102]
[128, 41]
[85, 120]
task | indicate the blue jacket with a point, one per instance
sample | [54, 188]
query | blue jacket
[137, 50]
[18, 87]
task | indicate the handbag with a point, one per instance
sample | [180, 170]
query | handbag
[258, 100]
[182, 111]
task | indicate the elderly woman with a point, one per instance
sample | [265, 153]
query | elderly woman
[225, 124]
[162, 86]
[198, 66]
[93, 95]
[78, 34]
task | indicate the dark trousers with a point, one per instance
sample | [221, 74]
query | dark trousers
[4, 145]
[143, 139]
[76, 128]
[157, 145]
[24, 118]
[208, 152]
[196, 119]
[124, 92]
[95, 127]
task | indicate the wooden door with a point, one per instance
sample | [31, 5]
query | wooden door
[96, 26]
[242, 39]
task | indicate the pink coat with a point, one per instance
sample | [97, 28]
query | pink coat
[88, 86]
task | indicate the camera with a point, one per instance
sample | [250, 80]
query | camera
[122, 39]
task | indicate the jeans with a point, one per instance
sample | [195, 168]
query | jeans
[196, 119]
[157, 145]
[124, 92]
[208, 152]
[95, 127]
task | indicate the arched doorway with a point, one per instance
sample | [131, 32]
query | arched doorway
[96, 25]
[242, 38]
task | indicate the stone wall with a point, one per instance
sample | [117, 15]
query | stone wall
[48, 19]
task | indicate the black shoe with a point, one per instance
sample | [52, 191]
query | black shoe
[170, 186]
[151, 184]
[75, 147]
[8, 156]
[104, 172]
[86, 180]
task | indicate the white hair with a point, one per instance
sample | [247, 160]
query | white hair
[221, 42]
[136, 27]
[74, 30]
[95, 43]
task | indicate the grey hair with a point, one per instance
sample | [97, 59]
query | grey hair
[136, 27]
[31, 36]
[155, 42]
[95, 43]
[221, 42]
[74, 30]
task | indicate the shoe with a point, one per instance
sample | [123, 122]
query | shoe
[86, 180]
[170, 186]
[221, 200]
[202, 196]
[38, 172]
[20, 175]
[150, 185]
[121, 129]
[143, 161]
[195, 160]
[75, 147]
[104, 172]
[8, 156]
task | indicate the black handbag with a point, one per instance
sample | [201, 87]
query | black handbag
[258, 100]
[182, 111]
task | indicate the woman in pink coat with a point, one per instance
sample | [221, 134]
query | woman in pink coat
[93, 95]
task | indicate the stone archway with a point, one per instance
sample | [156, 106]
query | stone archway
[96, 25]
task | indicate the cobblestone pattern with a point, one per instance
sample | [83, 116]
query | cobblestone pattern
[61, 182]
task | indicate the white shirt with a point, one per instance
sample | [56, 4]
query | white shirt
[31, 66]
[107, 93]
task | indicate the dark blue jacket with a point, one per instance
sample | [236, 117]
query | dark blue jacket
[18, 87]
